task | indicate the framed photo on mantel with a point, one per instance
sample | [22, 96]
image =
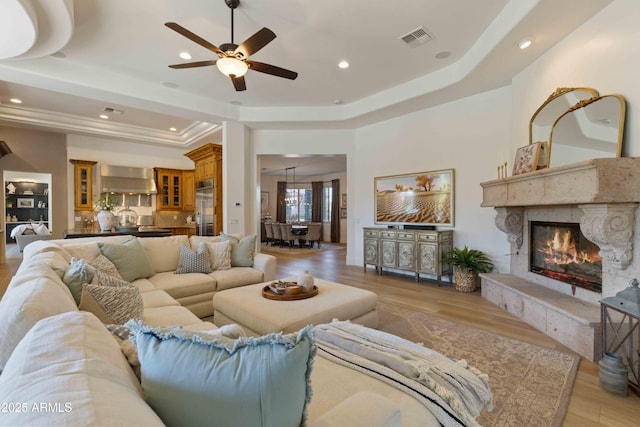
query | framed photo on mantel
[526, 158]
[424, 198]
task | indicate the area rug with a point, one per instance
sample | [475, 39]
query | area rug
[531, 384]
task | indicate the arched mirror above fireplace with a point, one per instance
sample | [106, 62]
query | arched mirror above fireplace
[556, 105]
[591, 129]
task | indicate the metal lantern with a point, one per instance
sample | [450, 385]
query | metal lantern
[620, 316]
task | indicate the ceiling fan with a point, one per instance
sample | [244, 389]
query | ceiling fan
[232, 58]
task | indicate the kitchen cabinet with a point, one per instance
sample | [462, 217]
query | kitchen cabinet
[188, 191]
[417, 251]
[208, 165]
[169, 183]
[83, 184]
[176, 189]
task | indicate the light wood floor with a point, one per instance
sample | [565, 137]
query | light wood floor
[589, 404]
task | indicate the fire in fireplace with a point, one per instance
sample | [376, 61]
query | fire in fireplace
[560, 251]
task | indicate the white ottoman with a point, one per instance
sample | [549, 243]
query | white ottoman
[259, 316]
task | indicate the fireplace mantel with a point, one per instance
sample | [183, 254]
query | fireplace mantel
[606, 190]
[603, 181]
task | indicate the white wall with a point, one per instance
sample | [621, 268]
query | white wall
[467, 135]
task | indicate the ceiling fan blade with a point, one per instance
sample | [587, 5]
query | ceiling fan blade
[256, 42]
[193, 37]
[193, 64]
[238, 83]
[271, 69]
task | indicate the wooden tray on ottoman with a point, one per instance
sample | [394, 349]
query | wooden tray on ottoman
[269, 294]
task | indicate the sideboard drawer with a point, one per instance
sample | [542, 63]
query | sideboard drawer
[371, 233]
[388, 234]
[428, 237]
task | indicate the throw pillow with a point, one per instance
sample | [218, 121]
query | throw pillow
[129, 258]
[112, 300]
[192, 378]
[79, 272]
[219, 255]
[42, 230]
[103, 264]
[193, 262]
[242, 250]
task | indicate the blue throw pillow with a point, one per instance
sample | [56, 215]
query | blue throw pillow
[242, 250]
[79, 272]
[195, 379]
[129, 258]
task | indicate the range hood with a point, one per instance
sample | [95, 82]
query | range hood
[125, 179]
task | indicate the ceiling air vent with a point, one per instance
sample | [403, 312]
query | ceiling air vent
[417, 37]
[112, 110]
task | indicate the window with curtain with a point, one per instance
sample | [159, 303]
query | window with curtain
[327, 194]
[299, 202]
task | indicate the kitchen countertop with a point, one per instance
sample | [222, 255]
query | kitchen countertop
[89, 232]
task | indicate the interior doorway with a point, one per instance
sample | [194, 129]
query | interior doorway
[27, 203]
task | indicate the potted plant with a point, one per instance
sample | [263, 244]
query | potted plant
[467, 264]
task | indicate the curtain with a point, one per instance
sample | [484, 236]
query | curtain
[317, 190]
[281, 208]
[335, 210]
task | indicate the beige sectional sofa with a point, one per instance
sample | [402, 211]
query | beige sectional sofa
[61, 366]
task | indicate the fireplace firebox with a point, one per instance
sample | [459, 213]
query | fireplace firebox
[560, 251]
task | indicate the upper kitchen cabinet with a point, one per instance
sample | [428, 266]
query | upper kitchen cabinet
[176, 189]
[169, 182]
[83, 184]
[208, 165]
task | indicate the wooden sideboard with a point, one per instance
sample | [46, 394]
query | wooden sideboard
[418, 251]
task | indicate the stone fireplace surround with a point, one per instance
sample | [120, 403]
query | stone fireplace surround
[602, 195]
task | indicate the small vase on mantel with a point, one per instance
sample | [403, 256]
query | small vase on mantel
[613, 374]
[305, 280]
[105, 219]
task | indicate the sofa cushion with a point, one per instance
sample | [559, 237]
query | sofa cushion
[87, 251]
[192, 378]
[193, 261]
[71, 362]
[57, 260]
[196, 240]
[79, 272]
[157, 298]
[242, 250]
[24, 305]
[144, 285]
[219, 255]
[237, 276]
[184, 285]
[129, 258]
[164, 252]
[169, 316]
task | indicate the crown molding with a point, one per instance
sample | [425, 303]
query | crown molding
[75, 124]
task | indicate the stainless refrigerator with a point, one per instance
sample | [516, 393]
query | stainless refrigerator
[205, 208]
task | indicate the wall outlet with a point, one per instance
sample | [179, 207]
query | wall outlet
[175, 217]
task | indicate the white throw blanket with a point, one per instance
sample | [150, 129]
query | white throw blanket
[453, 391]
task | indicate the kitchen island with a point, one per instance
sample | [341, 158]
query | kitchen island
[89, 232]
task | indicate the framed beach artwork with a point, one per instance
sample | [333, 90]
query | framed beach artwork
[25, 203]
[526, 158]
[264, 203]
[425, 198]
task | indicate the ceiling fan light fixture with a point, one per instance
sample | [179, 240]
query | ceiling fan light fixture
[232, 66]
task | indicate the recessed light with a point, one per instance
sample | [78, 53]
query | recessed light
[104, 116]
[343, 64]
[338, 102]
[16, 100]
[173, 129]
[525, 43]
[185, 55]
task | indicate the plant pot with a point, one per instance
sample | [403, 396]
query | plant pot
[466, 280]
[106, 220]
